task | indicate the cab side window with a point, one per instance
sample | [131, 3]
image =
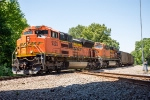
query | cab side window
[54, 34]
[27, 32]
[98, 46]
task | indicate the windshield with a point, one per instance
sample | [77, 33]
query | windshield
[27, 32]
[41, 32]
[99, 46]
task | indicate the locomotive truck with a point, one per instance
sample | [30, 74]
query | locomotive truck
[41, 49]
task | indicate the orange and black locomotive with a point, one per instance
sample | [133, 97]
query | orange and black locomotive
[43, 49]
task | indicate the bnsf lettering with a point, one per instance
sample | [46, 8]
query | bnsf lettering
[54, 43]
[29, 44]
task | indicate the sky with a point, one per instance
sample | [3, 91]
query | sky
[122, 16]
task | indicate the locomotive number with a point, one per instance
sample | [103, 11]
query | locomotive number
[54, 43]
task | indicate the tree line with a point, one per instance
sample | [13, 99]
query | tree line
[95, 32]
[137, 53]
[12, 22]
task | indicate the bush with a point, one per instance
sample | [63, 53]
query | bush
[5, 70]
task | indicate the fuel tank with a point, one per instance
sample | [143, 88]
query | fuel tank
[77, 65]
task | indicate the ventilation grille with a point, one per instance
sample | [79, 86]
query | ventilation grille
[64, 52]
[64, 45]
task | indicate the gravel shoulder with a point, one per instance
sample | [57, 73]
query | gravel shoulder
[71, 86]
[136, 70]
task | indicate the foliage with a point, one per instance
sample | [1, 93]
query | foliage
[5, 70]
[12, 22]
[94, 32]
[137, 53]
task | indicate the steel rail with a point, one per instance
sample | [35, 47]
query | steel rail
[130, 80]
[141, 76]
[4, 78]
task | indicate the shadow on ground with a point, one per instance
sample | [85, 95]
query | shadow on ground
[106, 90]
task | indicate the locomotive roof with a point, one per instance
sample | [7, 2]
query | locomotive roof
[38, 27]
[63, 33]
[76, 40]
[82, 39]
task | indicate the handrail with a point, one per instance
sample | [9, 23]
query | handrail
[13, 54]
[40, 50]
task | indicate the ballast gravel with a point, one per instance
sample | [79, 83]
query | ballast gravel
[71, 86]
[136, 70]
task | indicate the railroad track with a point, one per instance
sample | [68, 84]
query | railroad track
[4, 78]
[135, 79]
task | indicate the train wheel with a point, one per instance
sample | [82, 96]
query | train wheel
[117, 64]
[49, 71]
[40, 72]
[58, 70]
[80, 69]
[120, 65]
[105, 65]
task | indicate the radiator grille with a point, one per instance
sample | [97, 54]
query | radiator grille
[64, 52]
[64, 45]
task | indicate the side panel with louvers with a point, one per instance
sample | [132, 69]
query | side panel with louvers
[64, 45]
[65, 52]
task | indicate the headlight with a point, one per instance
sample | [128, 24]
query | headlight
[16, 53]
[31, 52]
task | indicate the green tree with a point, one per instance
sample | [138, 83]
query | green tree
[76, 31]
[137, 53]
[94, 32]
[12, 22]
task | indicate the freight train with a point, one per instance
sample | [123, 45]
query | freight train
[41, 49]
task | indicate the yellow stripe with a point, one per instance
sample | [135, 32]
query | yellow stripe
[28, 55]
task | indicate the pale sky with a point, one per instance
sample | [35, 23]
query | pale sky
[122, 16]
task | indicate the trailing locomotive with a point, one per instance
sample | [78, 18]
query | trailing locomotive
[43, 49]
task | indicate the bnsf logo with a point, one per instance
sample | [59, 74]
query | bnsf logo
[30, 44]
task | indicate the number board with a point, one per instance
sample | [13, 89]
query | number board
[54, 43]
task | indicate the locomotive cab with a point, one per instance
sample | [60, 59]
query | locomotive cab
[105, 51]
[99, 47]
